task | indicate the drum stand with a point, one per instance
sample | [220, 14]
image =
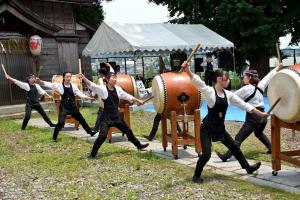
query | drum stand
[126, 114]
[277, 155]
[184, 138]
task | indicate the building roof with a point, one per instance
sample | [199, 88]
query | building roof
[26, 15]
[74, 1]
[125, 38]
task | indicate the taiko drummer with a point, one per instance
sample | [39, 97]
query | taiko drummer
[213, 127]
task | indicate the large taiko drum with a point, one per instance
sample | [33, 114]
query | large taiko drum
[128, 84]
[286, 84]
[168, 90]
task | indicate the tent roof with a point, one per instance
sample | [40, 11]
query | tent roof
[125, 38]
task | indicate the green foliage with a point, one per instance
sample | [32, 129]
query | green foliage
[253, 26]
[91, 14]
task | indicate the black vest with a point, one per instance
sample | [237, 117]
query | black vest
[214, 120]
[111, 107]
[68, 100]
[33, 95]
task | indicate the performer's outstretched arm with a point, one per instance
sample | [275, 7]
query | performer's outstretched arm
[22, 85]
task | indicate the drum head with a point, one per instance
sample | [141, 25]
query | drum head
[285, 84]
[158, 93]
[135, 90]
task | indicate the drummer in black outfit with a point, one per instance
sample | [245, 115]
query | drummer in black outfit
[33, 91]
[213, 127]
[111, 94]
[68, 90]
[252, 93]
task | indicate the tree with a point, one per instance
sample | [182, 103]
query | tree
[254, 26]
[92, 15]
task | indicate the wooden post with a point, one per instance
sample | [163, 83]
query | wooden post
[164, 131]
[197, 131]
[174, 134]
[275, 138]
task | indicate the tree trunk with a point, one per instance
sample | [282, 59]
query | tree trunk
[260, 62]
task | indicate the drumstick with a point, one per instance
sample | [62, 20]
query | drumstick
[278, 53]
[191, 55]
[79, 62]
[3, 49]
[193, 52]
[270, 110]
[40, 69]
[149, 99]
[3, 68]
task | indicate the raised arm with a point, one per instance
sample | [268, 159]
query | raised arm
[207, 91]
[266, 80]
[96, 89]
[22, 85]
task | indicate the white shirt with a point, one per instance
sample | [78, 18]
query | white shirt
[258, 99]
[25, 86]
[210, 95]
[60, 89]
[101, 103]
[101, 91]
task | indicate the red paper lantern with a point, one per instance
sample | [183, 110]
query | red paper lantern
[35, 45]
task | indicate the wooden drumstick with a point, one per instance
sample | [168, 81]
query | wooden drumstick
[79, 64]
[270, 110]
[39, 72]
[191, 55]
[3, 49]
[278, 53]
[193, 52]
[149, 99]
[3, 68]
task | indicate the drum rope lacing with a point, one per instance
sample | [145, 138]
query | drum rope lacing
[294, 70]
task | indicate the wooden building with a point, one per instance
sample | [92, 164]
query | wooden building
[63, 39]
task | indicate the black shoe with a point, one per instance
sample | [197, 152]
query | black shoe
[197, 180]
[143, 146]
[253, 168]
[54, 140]
[91, 157]
[93, 133]
[223, 157]
[148, 138]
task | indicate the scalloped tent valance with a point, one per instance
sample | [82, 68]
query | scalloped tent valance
[125, 38]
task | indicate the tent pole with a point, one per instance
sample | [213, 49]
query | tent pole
[143, 66]
[125, 65]
[233, 56]
[134, 62]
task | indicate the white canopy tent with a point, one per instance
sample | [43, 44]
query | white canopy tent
[125, 38]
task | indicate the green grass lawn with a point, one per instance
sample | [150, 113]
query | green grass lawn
[33, 167]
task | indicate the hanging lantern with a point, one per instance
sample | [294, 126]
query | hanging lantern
[35, 45]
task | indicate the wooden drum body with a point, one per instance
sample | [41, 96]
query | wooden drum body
[286, 84]
[128, 84]
[167, 89]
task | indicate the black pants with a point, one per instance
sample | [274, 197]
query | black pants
[206, 143]
[104, 127]
[39, 109]
[61, 122]
[155, 125]
[251, 124]
[99, 119]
